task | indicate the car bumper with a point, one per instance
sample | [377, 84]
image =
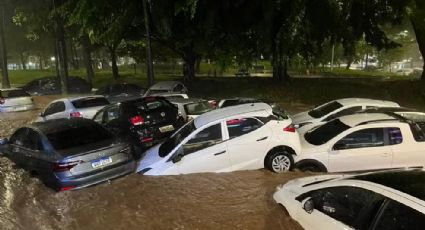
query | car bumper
[17, 108]
[111, 173]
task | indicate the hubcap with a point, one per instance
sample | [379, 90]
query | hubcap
[281, 163]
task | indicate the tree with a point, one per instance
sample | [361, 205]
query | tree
[417, 18]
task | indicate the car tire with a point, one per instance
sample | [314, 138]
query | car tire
[279, 161]
[311, 167]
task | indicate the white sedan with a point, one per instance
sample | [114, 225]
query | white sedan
[86, 107]
[390, 200]
[363, 142]
[338, 108]
[240, 137]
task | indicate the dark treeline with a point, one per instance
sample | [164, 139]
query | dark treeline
[195, 30]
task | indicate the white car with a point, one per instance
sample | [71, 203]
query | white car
[85, 107]
[191, 108]
[240, 137]
[363, 142]
[170, 87]
[13, 100]
[171, 96]
[338, 108]
[389, 200]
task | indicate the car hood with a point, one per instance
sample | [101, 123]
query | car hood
[301, 117]
[150, 157]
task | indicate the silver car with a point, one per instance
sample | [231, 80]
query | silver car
[85, 107]
[170, 87]
[13, 100]
[69, 153]
[191, 108]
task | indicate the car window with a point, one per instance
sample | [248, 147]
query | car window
[352, 206]
[153, 103]
[99, 116]
[239, 127]
[324, 133]
[90, 102]
[364, 138]
[198, 108]
[178, 88]
[111, 113]
[33, 140]
[344, 112]
[230, 102]
[398, 216]
[18, 137]
[204, 139]
[55, 107]
[418, 131]
[395, 136]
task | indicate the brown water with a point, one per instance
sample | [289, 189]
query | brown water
[238, 200]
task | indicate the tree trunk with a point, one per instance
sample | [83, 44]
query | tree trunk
[62, 53]
[149, 61]
[113, 53]
[189, 67]
[418, 23]
[23, 61]
[198, 66]
[40, 62]
[85, 42]
[74, 54]
[5, 73]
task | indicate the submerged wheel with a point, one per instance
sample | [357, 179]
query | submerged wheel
[279, 161]
[311, 167]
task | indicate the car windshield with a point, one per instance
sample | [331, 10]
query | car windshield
[324, 109]
[90, 102]
[324, 133]
[71, 137]
[13, 93]
[176, 139]
[198, 108]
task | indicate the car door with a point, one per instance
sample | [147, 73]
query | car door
[36, 158]
[110, 119]
[15, 150]
[364, 149]
[408, 151]
[248, 143]
[55, 110]
[205, 151]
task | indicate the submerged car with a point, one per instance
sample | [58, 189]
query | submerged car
[384, 200]
[120, 92]
[241, 137]
[192, 108]
[143, 121]
[363, 142]
[52, 86]
[169, 87]
[13, 100]
[338, 108]
[69, 153]
[85, 107]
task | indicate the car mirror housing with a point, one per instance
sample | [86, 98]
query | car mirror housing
[308, 205]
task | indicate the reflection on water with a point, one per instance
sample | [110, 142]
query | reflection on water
[239, 200]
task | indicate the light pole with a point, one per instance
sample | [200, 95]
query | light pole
[5, 73]
[149, 63]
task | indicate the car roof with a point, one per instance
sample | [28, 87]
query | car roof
[185, 100]
[361, 118]
[84, 97]
[386, 109]
[50, 126]
[350, 101]
[165, 85]
[231, 111]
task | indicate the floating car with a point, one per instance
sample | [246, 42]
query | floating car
[173, 87]
[52, 86]
[13, 100]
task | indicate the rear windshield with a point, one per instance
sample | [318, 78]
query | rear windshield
[324, 133]
[90, 102]
[71, 137]
[13, 93]
[150, 104]
[198, 108]
[324, 109]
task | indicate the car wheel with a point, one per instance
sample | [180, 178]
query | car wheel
[311, 167]
[280, 161]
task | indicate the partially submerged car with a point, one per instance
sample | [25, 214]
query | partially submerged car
[338, 108]
[69, 153]
[86, 107]
[52, 86]
[120, 92]
[14, 100]
[174, 87]
[241, 137]
[144, 121]
[189, 109]
[383, 200]
[363, 142]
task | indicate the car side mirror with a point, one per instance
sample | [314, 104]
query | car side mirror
[308, 205]
[178, 157]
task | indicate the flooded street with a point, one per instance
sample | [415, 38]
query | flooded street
[238, 200]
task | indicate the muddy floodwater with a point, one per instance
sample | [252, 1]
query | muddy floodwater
[238, 200]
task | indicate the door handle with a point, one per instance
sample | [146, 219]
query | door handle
[262, 139]
[219, 153]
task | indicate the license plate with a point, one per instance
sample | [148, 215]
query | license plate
[101, 162]
[167, 128]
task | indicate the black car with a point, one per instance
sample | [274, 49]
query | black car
[69, 153]
[144, 121]
[121, 92]
[52, 86]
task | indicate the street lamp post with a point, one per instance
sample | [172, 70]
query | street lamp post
[149, 62]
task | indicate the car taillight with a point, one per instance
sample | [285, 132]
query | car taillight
[2, 101]
[146, 139]
[290, 128]
[137, 120]
[66, 188]
[62, 167]
[75, 114]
